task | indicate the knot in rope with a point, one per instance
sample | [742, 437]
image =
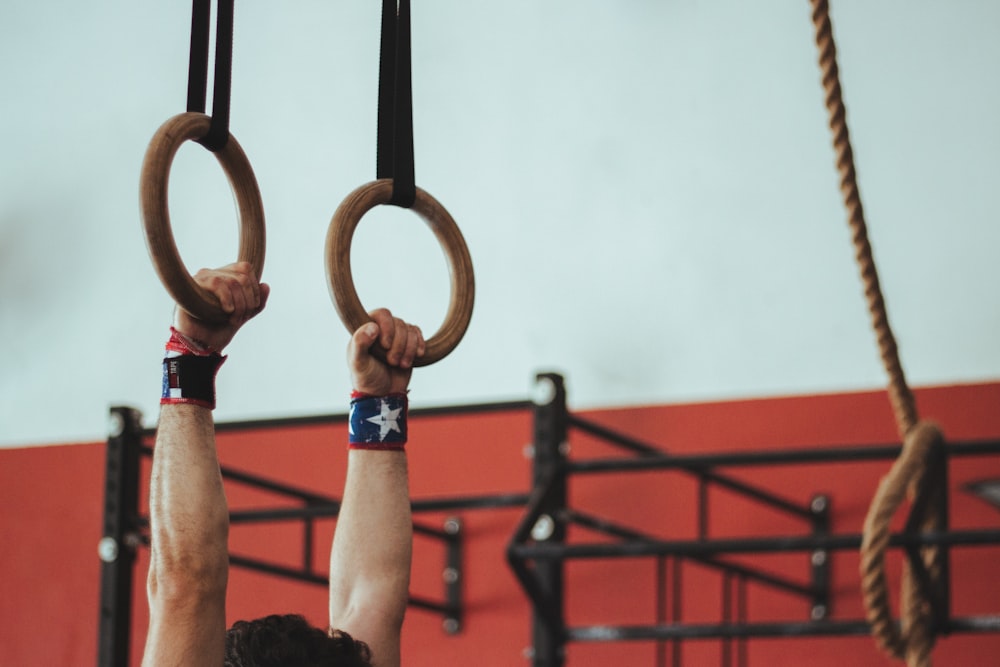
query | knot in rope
[910, 476]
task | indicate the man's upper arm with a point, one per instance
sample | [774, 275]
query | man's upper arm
[186, 627]
[380, 633]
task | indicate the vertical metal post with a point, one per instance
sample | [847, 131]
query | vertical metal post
[942, 602]
[726, 659]
[702, 507]
[742, 657]
[820, 559]
[119, 537]
[550, 449]
[661, 608]
[677, 608]
[454, 576]
[308, 539]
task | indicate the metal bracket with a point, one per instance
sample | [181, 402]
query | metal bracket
[453, 576]
[820, 559]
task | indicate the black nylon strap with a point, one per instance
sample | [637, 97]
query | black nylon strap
[218, 131]
[198, 61]
[394, 151]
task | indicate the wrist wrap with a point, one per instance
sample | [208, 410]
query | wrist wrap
[189, 372]
[378, 422]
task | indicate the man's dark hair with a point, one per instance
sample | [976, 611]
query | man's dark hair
[289, 641]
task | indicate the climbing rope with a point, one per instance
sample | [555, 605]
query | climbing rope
[910, 476]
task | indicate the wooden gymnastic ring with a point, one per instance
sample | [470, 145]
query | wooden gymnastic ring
[338, 266]
[156, 217]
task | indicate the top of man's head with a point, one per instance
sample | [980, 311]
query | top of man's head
[289, 641]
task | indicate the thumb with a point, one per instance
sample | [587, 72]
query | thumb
[367, 335]
[362, 342]
[365, 370]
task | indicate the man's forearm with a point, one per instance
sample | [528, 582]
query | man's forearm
[373, 541]
[372, 548]
[189, 522]
[189, 517]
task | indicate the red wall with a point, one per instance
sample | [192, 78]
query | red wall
[52, 517]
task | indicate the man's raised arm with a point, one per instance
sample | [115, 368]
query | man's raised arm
[189, 517]
[370, 559]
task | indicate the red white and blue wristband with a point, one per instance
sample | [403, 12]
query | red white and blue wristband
[189, 372]
[377, 422]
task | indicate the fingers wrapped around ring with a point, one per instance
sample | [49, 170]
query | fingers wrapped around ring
[400, 342]
[248, 282]
[236, 287]
[414, 345]
[238, 295]
[386, 327]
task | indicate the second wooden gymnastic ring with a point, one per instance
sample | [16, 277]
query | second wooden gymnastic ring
[156, 217]
[338, 265]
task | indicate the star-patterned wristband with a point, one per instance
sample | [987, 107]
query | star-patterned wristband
[378, 422]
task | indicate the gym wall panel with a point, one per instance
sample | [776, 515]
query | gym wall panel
[52, 521]
[51, 499]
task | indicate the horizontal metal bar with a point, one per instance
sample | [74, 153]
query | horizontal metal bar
[472, 409]
[298, 574]
[322, 505]
[759, 576]
[770, 458]
[607, 633]
[266, 484]
[264, 515]
[280, 422]
[692, 548]
[338, 418]
[613, 437]
[603, 525]
[650, 452]
[281, 488]
[331, 507]
[470, 502]
[760, 495]
[432, 531]
[315, 512]
[432, 605]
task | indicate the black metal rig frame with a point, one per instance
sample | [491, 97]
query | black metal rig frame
[539, 549]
